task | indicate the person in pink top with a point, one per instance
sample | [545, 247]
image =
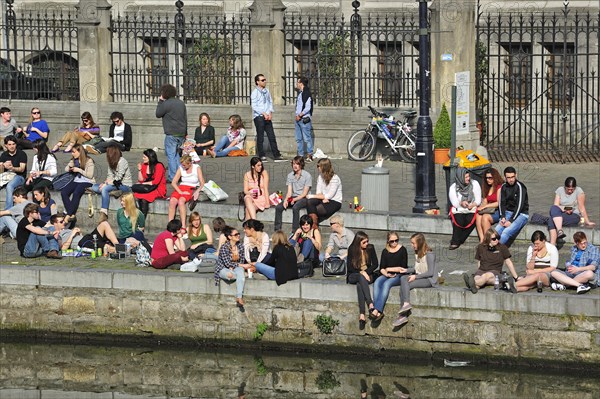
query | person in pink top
[169, 248]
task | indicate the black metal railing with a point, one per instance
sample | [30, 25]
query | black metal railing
[368, 60]
[206, 57]
[38, 55]
[538, 89]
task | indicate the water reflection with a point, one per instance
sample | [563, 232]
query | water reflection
[65, 371]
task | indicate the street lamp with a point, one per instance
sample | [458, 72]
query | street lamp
[425, 198]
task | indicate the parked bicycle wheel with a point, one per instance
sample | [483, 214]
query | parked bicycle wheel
[408, 151]
[361, 145]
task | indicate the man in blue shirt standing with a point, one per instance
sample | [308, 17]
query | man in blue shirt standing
[304, 110]
[262, 113]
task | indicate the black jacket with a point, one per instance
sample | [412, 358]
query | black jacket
[283, 259]
[513, 198]
[127, 135]
[372, 262]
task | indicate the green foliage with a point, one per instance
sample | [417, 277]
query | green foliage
[482, 72]
[325, 323]
[261, 369]
[261, 329]
[442, 132]
[209, 70]
[335, 71]
[326, 380]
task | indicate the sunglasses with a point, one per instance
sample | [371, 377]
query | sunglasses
[85, 120]
[262, 80]
[393, 241]
[489, 177]
[60, 221]
[35, 112]
[235, 235]
[331, 224]
[495, 238]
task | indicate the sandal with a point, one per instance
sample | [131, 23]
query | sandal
[561, 235]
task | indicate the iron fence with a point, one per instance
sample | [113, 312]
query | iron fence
[38, 55]
[353, 63]
[206, 57]
[538, 90]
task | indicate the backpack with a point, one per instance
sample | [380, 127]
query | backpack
[142, 257]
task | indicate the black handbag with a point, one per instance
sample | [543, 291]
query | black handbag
[143, 188]
[334, 266]
[306, 268]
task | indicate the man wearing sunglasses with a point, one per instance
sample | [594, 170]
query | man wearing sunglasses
[262, 113]
[32, 239]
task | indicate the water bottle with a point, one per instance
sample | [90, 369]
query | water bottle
[386, 131]
[539, 286]
[95, 251]
[497, 283]
[504, 277]
[127, 250]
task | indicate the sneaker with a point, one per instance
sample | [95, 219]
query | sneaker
[470, 282]
[279, 159]
[308, 159]
[400, 321]
[582, 289]
[115, 193]
[264, 159]
[557, 287]
[405, 309]
[512, 286]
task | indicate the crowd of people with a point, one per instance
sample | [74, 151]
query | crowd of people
[499, 200]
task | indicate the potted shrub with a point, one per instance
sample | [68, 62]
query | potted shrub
[442, 136]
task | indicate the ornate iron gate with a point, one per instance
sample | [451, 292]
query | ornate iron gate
[538, 90]
[363, 61]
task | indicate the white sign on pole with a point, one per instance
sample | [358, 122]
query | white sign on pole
[463, 82]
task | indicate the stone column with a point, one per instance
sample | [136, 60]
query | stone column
[94, 42]
[453, 42]
[268, 43]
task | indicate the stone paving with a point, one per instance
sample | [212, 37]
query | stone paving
[540, 179]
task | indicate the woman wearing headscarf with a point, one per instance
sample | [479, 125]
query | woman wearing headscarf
[465, 197]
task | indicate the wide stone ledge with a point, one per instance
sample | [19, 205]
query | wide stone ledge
[334, 289]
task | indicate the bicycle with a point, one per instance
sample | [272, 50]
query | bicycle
[399, 137]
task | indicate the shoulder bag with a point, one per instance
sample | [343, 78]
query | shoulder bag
[60, 181]
[334, 266]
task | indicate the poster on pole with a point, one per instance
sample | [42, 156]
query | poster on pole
[463, 82]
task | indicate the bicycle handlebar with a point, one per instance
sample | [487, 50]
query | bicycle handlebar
[377, 113]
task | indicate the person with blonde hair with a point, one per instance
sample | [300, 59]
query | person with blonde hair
[200, 235]
[71, 194]
[87, 131]
[131, 221]
[281, 265]
[118, 178]
[328, 198]
[423, 275]
[192, 182]
[37, 129]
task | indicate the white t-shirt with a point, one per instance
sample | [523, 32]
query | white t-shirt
[119, 133]
[190, 179]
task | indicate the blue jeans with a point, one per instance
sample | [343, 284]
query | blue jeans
[106, 190]
[221, 149]
[8, 222]
[238, 277]
[510, 232]
[172, 145]
[308, 249]
[38, 245]
[265, 270]
[303, 133]
[10, 188]
[381, 290]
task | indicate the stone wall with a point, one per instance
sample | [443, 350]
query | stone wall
[173, 306]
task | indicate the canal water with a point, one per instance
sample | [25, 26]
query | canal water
[42, 371]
